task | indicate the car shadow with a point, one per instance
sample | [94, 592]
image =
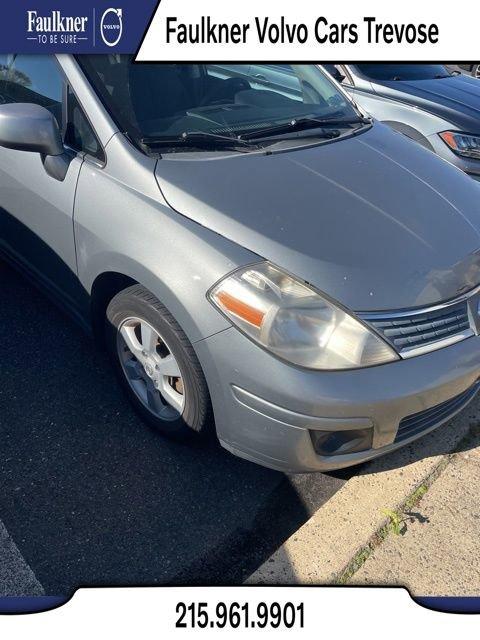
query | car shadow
[91, 496]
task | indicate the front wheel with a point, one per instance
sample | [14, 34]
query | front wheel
[156, 364]
[476, 71]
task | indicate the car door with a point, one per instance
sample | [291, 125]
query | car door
[36, 210]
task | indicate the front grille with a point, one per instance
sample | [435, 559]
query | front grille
[413, 331]
[417, 423]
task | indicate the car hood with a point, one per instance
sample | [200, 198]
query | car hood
[456, 98]
[374, 221]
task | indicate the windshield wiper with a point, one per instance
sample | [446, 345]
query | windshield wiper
[302, 124]
[325, 122]
[198, 140]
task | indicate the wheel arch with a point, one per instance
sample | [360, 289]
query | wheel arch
[104, 288]
[197, 318]
[409, 132]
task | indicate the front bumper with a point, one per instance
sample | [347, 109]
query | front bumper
[266, 410]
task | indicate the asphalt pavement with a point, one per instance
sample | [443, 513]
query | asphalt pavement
[91, 496]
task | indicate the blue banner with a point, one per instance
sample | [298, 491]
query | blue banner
[63, 26]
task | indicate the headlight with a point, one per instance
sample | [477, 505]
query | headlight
[296, 323]
[464, 144]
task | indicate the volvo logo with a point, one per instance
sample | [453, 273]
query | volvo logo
[111, 26]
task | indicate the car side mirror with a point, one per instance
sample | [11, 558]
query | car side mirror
[30, 127]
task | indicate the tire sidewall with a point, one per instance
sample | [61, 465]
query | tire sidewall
[125, 306]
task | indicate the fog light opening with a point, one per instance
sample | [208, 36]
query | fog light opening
[333, 443]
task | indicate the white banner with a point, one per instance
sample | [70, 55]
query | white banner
[240, 612]
[306, 31]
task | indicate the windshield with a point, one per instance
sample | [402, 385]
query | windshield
[153, 101]
[403, 71]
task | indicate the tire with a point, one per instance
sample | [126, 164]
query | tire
[476, 70]
[181, 407]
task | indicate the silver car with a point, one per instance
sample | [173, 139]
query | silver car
[257, 258]
[429, 103]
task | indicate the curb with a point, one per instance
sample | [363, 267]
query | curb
[325, 548]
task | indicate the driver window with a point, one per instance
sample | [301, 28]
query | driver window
[79, 134]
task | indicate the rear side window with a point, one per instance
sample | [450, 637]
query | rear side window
[79, 133]
[34, 79]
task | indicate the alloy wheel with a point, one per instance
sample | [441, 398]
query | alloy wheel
[151, 369]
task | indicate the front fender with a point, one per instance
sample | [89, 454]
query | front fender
[120, 229]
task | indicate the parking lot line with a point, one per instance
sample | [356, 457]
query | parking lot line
[16, 576]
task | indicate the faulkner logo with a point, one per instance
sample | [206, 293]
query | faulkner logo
[111, 26]
[56, 28]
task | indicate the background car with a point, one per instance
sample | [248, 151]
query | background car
[437, 108]
[472, 67]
